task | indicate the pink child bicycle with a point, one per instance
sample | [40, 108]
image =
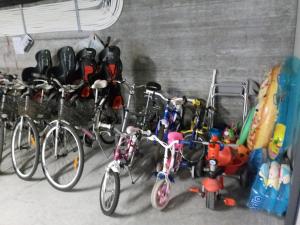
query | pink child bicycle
[160, 195]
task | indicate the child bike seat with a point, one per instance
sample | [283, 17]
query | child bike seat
[65, 71]
[153, 86]
[175, 136]
[87, 62]
[86, 54]
[44, 63]
[110, 63]
[110, 54]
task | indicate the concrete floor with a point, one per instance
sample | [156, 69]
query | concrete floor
[37, 203]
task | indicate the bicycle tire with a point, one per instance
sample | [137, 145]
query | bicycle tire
[194, 156]
[157, 191]
[115, 201]
[110, 139]
[1, 140]
[34, 141]
[210, 200]
[77, 163]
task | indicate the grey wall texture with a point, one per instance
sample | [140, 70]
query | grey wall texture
[297, 35]
[178, 43]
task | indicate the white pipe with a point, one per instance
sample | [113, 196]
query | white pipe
[61, 16]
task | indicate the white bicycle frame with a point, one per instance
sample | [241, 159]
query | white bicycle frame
[63, 89]
[168, 147]
[43, 86]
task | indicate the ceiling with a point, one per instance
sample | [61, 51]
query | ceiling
[6, 3]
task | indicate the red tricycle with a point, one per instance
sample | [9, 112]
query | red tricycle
[222, 159]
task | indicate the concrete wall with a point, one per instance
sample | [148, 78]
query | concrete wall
[178, 43]
[297, 36]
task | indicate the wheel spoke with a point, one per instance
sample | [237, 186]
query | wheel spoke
[25, 148]
[64, 169]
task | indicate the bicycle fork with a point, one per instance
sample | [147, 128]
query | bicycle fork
[57, 125]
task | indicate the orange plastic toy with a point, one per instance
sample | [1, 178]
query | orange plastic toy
[228, 161]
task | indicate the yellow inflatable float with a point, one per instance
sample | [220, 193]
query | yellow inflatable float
[264, 119]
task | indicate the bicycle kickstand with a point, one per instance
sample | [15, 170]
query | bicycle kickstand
[132, 181]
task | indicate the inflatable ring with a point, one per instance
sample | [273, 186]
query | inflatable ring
[263, 123]
[246, 127]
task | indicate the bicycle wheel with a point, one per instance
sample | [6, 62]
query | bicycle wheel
[152, 121]
[109, 192]
[107, 137]
[211, 198]
[160, 195]
[194, 153]
[110, 117]
[25, 148]
[62, 156]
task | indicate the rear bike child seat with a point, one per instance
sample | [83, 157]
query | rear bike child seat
[65, 71]
[87, 69]
[44, 63]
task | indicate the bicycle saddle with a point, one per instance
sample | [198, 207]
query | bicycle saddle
[225, 157]
[175, 136]
[99, 84]
[70, 88]
[65, 70]
[153, 86]
[44, 63]
[132, 130]
[177, 101]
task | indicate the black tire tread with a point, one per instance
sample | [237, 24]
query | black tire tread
[117, 194]
[69, 187]
[37, 154]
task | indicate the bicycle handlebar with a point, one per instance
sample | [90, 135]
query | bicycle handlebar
[128, 85]
[174, 100]
[9, 77]
[67, 87]
[184, 142]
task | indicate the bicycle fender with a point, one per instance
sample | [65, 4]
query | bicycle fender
[114, 166]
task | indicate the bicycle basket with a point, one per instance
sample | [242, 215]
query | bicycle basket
[10, 106]
[79, 113]
[35, 109]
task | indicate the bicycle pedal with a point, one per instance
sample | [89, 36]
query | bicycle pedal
[194, 189]
[229, 202]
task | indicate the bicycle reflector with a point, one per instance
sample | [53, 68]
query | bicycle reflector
[117, 102]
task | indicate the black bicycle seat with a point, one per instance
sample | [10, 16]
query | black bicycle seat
[153, 86]
[65, 70]
[44, 63]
